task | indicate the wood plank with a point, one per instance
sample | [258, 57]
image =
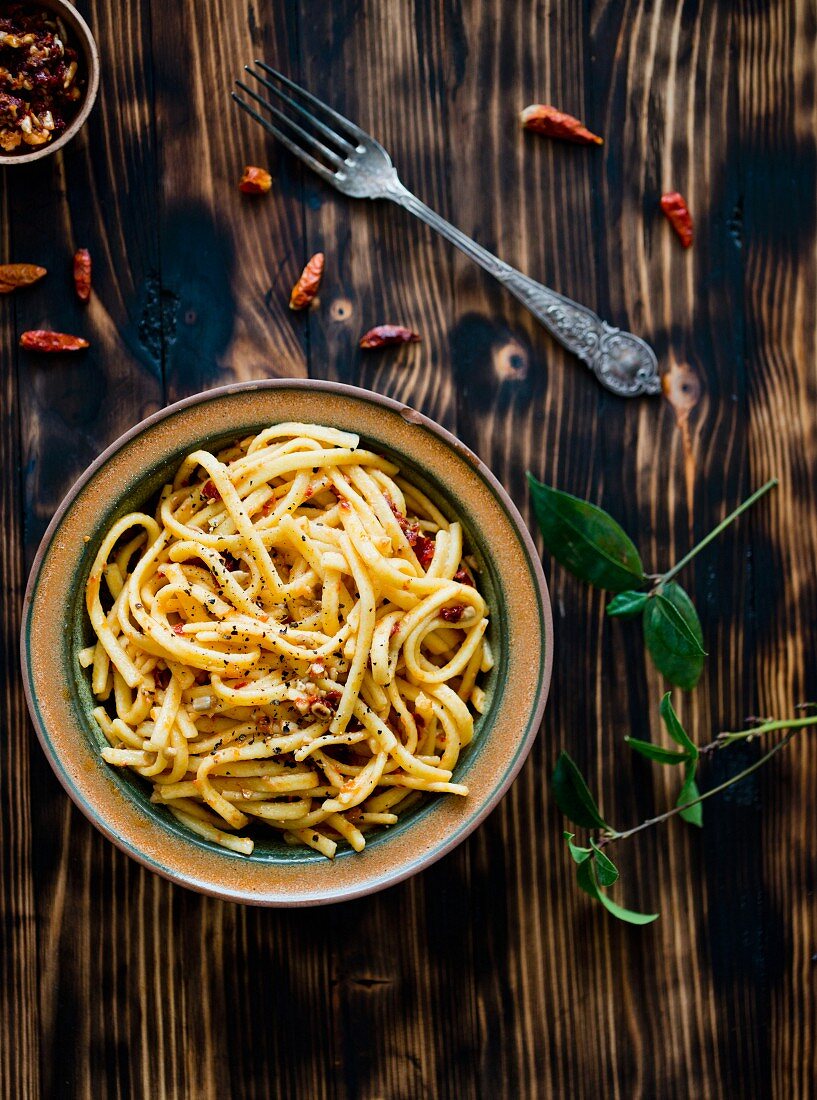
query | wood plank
[775, 224]
[383, 265]
[386, 68]
[97, 194]
[228, 259]
[228, 264]
[19, 1060]
[568, 216]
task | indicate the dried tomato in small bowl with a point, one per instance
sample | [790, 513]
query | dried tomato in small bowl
[49, 74]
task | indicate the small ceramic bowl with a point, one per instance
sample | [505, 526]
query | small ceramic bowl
[128, 476]
[83, 42]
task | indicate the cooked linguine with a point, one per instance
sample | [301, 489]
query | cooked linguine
[293, 638]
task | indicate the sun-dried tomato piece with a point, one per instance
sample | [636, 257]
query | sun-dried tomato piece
[452, 614]
[255, 181]
[308, 284]
[39, 339]
[381, 335]
[677, 212]
[410, 530]
[544, 119]
[398, 515]
[462, 576]
[424, 550]
[13, 276]
[82, 274]
[209, 491]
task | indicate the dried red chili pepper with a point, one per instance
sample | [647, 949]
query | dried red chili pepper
[15, 275]
[677, 213]
[82, 274]
[308, 284]
[209, 491]
[39, 339]
[381, 335]
[544, 119]
[255, 181]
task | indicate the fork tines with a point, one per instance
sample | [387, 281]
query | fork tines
[302, 134]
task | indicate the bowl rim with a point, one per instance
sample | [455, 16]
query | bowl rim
[91, 52]
[534, 718]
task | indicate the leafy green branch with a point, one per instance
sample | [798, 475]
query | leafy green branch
[589, 543]
[595, 871]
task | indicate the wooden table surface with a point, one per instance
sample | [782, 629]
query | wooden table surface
[489, 975]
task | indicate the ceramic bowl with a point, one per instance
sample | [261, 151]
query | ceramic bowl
[83, 41]
[128, 476]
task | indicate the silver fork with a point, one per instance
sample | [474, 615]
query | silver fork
[348, 158]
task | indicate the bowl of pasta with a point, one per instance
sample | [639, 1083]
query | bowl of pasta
[287, 642]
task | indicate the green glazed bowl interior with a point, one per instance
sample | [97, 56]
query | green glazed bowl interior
[128, 477]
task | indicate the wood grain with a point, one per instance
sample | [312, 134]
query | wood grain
[490, 974]
[19, 1074]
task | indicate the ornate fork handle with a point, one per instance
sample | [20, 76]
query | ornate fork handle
[622, 362]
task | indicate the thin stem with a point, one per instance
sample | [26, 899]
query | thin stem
[771, 725]
[707, 794]
[717, 530]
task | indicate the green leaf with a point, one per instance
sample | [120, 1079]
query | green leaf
[572, 795]
[675, 729]
[578, 853]
[586, 878]
[656, 752]
[673, 636]
[626, 605]
[694, 814]
[585, 539]
[606, 870]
